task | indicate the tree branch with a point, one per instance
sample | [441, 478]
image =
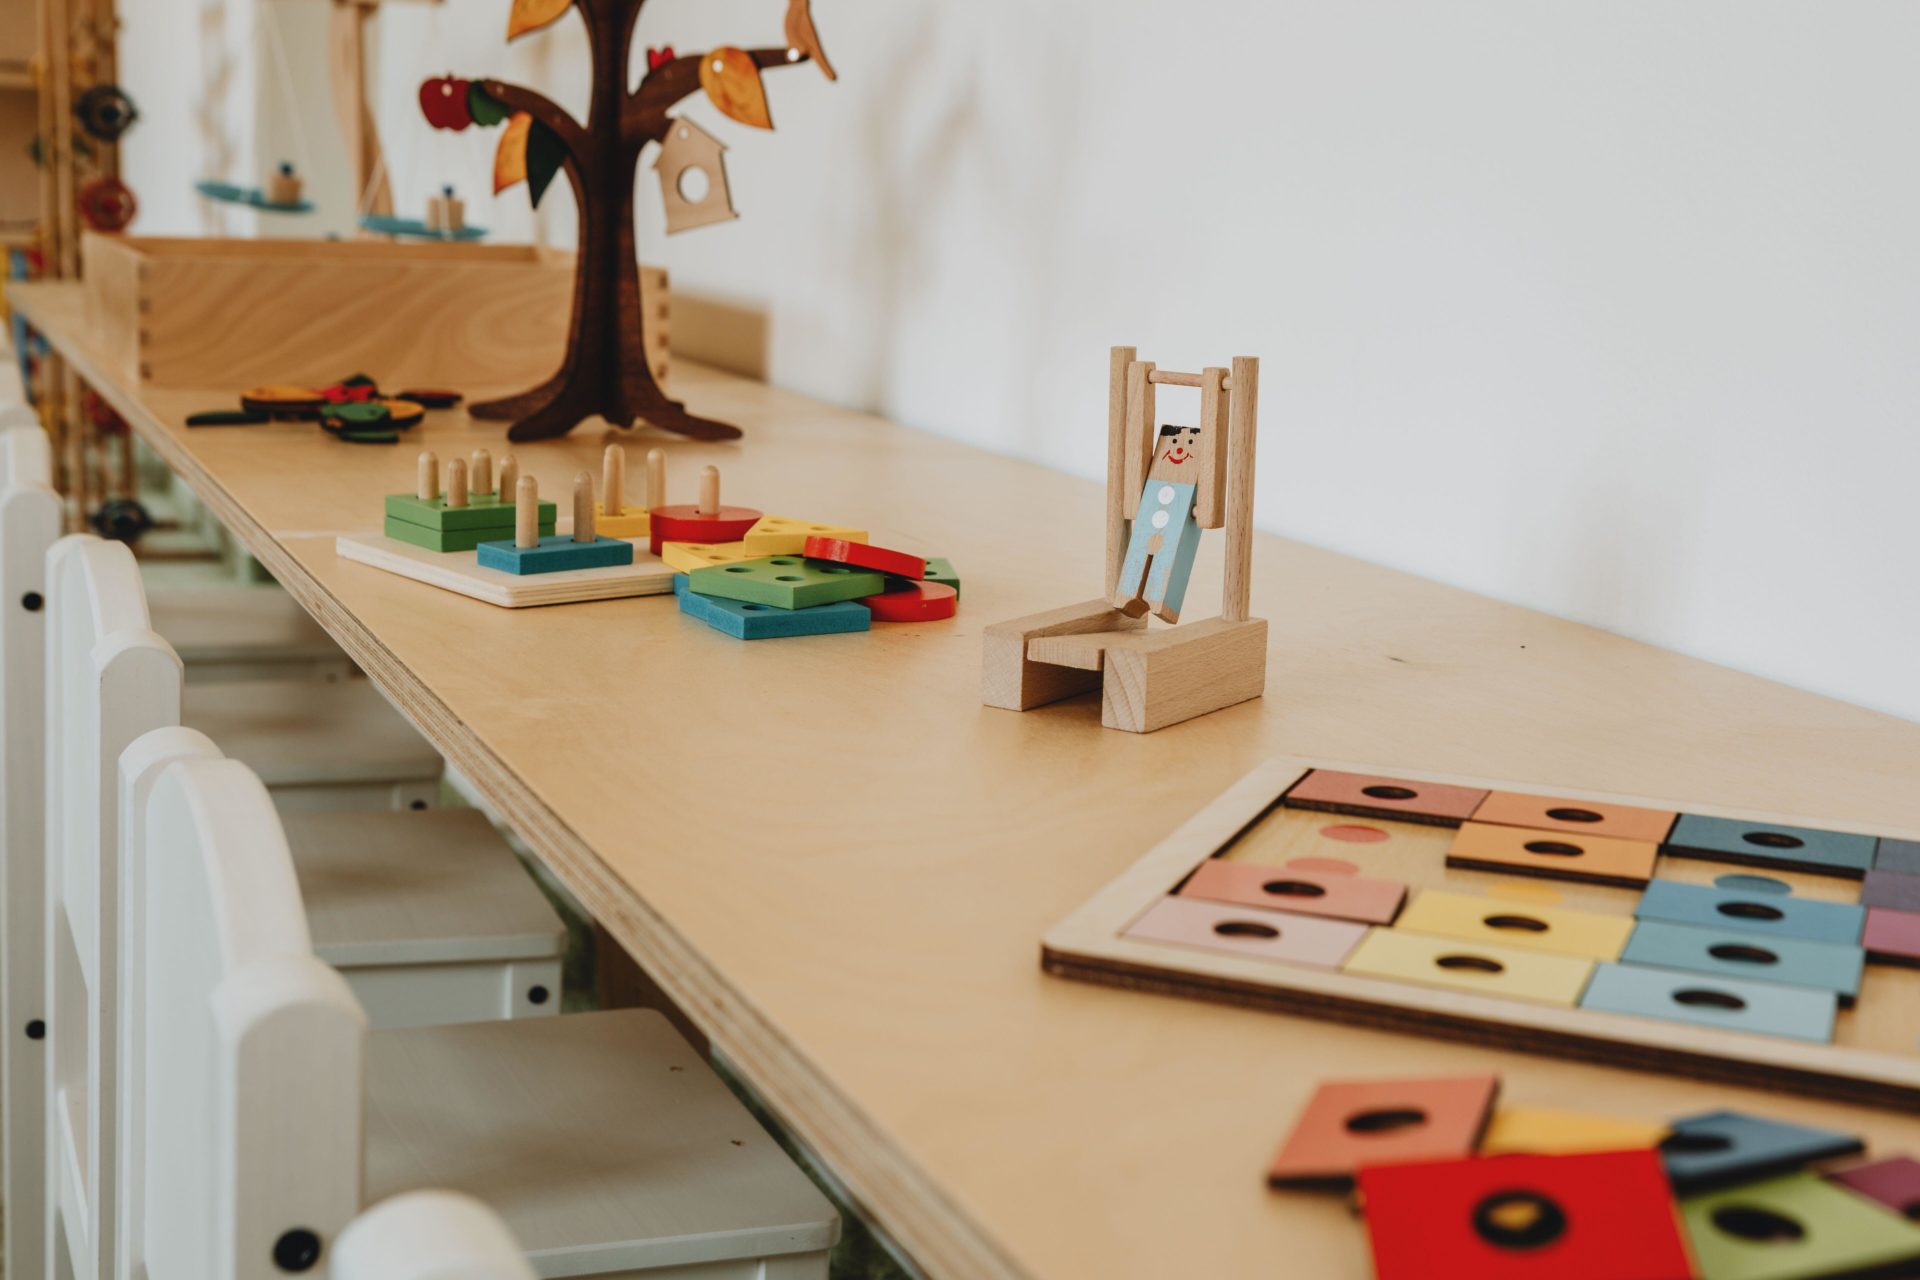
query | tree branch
[541, 108]
[645, 113]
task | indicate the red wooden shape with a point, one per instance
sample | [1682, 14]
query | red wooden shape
[1606, 1216]
[1894, 1182]
[685, 523]
[1351, 1123]
[914, 602]
[863, 556]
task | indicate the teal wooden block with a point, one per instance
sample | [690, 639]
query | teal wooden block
[1834, 853]
[1798, 1227]
[555, 555]
[787, 582]
[1774, 915]
[483, 511]
[1716, 1148]
[1698, 1000]
[1728, 953]
[745, 620]
[454, 539]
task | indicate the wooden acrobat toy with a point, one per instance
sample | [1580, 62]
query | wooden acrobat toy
[1163, 488]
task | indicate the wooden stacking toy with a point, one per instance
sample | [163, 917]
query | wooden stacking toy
[472, 510]
[530, 552]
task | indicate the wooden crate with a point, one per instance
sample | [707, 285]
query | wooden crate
[240, 313]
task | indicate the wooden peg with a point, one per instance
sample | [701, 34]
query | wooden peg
[656, 479]
[480, 472]
[526, 512]
[509, 478]
[427, 477]
[709, 492]
[583, 507]
[613, 480]
[1140, 432]
[1118, 359]
[1210, 499]
[456, 483]
[1243, 418]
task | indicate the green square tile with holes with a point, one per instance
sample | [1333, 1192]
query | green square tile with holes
[787, 582]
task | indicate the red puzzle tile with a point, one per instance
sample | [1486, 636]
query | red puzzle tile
[1306, 890]
[687, 523]
[1430, 802]
[913, 602]
[1606, 1216]
[1894, 1182]
[862, 555]
[1350, 1123]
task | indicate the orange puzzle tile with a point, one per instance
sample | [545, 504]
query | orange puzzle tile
[1484, 847]
[1580, 817]
[1305, 890]
[1433, 803]
[1349, 1124]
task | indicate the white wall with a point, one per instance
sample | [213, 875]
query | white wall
[1605, 308]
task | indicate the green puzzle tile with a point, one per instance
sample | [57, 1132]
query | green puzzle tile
[486, 512]
[1748, 1232]
[457, 539]
[787, 582]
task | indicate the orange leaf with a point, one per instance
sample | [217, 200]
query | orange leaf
[510, 161]
[733, 83]
[531, 15]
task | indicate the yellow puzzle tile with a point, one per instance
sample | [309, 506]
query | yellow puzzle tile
[1515, 922]
[632, 522]
[1457, 965]
[685, 557]
[1547, 1132]
[785, 536]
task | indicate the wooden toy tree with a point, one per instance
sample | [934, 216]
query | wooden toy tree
[605, 369]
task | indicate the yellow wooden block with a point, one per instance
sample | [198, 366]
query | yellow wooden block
[1518, 922]
[1546, 1132]
[785, 536]
[685, 557]
[632, 522]
[1457, 965]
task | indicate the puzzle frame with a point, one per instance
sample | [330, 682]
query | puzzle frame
[1092, 945]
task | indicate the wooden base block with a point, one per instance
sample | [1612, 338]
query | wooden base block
[1161, 678]
[1011, 679]
[646, 576]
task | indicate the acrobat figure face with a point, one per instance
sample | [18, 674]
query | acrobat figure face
[1176, 456]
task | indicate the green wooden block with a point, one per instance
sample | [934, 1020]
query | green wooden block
[486, 512]
[787, 582]
[1792, 1228]
[456, 539]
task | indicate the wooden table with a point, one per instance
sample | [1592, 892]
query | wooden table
[841, 864]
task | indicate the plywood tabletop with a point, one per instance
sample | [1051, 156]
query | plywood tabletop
[841, 864]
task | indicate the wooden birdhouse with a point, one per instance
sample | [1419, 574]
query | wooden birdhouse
[693, 178]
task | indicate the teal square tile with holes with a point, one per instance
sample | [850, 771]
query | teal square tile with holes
[786, 582]
[1728, 953]
[555, 555]
[1721, 1148]
[1700, 1000]
[745, 620]
[1770, 845]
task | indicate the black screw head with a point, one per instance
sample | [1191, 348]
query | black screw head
[418, 805]
[32, 602]
[538, 995]
[296, 1250]
[37, 1029]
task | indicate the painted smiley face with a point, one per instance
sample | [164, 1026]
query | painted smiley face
[1179, 448]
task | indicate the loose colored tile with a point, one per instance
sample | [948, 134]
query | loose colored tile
[785, 536]
[1767, 845]
[1581, 817]
[786, 582]
[1555, 854]
[1507, 972]
[1543, 1131]
[1897, 855]
[1768, 914]
[452, 540]
[1717, 1148]
[1798, 1227]
[687, 523]
[1725, 1004]
[745, 621]
[1306, 891]
[905, 601]
[1246, 931]
[555, 554]
[1893, 889]
[1894, 1182]
[1729, 953]
[1351, 1124]
[940, 570]
[1428, 802]
[685, 557]
[1516, 923]
[864, 555]
[1601, 1216]
[1892, 937]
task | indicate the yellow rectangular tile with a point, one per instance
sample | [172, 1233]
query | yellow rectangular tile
[1545, 1131]
[685, 557]
[1517, 922]
[785, 536]
[1457, 965]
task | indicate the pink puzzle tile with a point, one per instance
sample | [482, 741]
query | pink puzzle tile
[1249, 931]
[1303, 886]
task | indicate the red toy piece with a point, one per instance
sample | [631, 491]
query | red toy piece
[685, 523]
[862, 556]
[1607, 1216]
[658, 58]
[914, 602]
[443, 101]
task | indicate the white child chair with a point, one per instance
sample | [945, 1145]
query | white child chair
[227, 633]
[603, 1141]
[429, 1235]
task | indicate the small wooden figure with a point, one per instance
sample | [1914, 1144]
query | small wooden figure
[446, 212]
[556, 553]
[616, 518]
[1149, 680]
[284, 185]
[705, 521]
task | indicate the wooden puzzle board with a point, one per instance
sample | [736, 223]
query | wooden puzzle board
[648, 575]
[1874, 1054]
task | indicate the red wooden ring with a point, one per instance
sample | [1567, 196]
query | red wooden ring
[915, 602]
[685, 523]
[863, 556]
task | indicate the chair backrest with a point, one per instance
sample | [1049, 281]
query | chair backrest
[30, 513]
[109, 679]
[429, 1235]
[251, 1070]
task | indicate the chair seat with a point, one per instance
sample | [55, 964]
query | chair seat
[603, 1141]
[309, 732]
[207, 625]
[440, 886]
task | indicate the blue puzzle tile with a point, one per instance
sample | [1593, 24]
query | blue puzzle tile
[745, 620]
[1721, 1147]
[1700, 1000]
[1759, 844]
[1729, 953]
[1774, 915]
[1898, 855]
[555, 555]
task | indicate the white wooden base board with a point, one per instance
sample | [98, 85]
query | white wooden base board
[648, 575]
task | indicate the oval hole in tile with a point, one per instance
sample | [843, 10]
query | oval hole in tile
[1555, 848]
[1385, 1120]
[1708, 998]
[1575, 815]
[1774, 840]
[1761, 1226]
[1741, 953]
[1294, 889]
[1520, 924]
[1245, 929]
[1383, 792]
[1681, 1142]
[1750, 911]
[1519, 1220]
[1470, 964]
